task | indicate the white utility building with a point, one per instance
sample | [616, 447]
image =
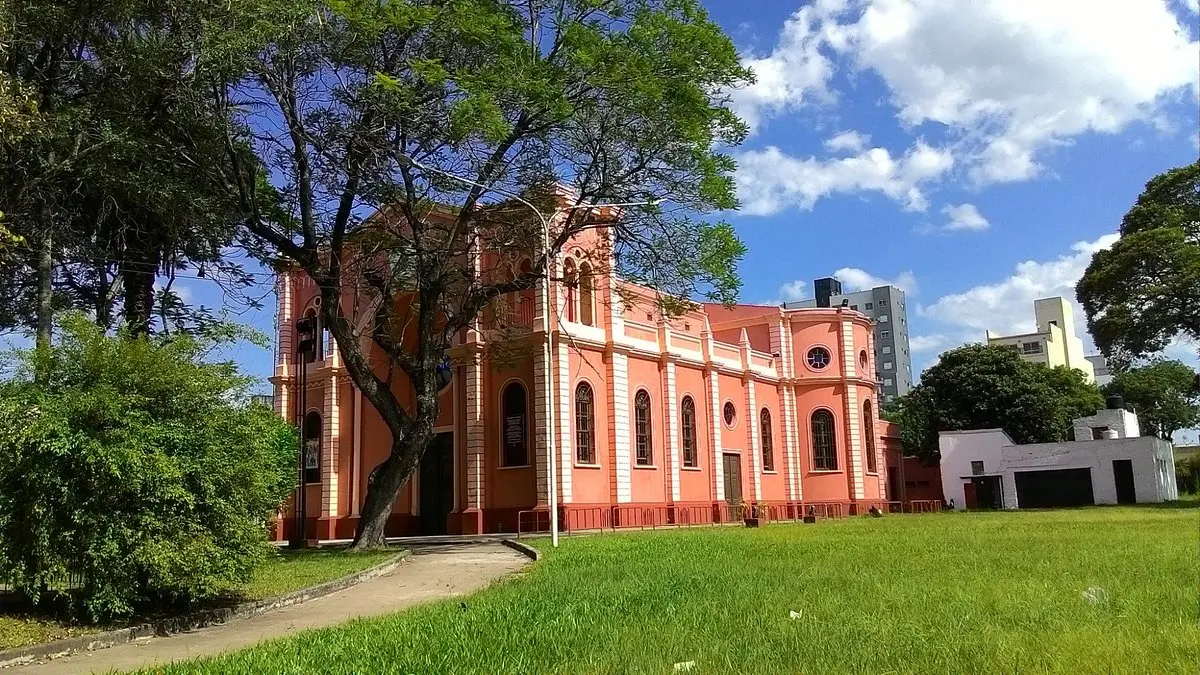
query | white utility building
[1108, 463]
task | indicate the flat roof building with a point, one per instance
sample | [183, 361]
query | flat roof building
[1054, 343]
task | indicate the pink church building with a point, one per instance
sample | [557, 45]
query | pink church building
[653, 421]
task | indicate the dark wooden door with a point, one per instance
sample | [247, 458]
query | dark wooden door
[1123, 476]
[987, 492]
[437, 484]
[733, 484]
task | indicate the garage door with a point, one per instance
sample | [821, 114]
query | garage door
[1054, 488]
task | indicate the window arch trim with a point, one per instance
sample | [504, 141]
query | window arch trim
[766, 432]
[686, 429]
[643, 428]
[872, 463]
[824, 461]
[580, 440]
[502, 445]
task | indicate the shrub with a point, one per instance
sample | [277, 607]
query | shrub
[1187, 474]
[131, 466]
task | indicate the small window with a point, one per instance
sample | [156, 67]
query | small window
[641, 408]
[976, 468]
[1098, 433]
[887, 381]
[1031, 347]
[515, 431]
[768, 440]
[824, 447]
[885, 334]
[585, 416]
[883, 318]
[312, 447]
[729, 413]
[887, 365]
[854, 307]
[869, 437]
[818, 358]
[887, 349]
[882, 303]
[862, 359]
[869, 305]
[587, 308]
[687, 415]
[571, 286]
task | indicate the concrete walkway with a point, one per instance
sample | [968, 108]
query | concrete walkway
[435, 571]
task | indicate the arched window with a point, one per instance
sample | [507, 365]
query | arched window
[570, 282]
[768, 440]
[687, 415]
[320, 332]
[312, 447]
[514, 429]
[585, 415]
[824, 447]
[869, 437]
[641, 414]
[587, 309]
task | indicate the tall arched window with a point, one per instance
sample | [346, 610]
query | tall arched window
[687, 415]
[320, 332]
[585, 415]
[869, 437]
[641, 414]
[312, 447]
[768, 440]
[587, 308]
[824, 447]
[570, 282]
[514, 427]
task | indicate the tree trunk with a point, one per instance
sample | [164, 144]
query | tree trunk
[45, 290]
[389, 478]
[137, 280]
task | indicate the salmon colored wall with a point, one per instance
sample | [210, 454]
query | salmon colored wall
[774, 487]
[806, 335]
[647, 482]
[590, 484]
[345, 446]
[510, 486]
[821, 485]
[695, 484]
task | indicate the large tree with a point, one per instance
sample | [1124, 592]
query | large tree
[991, 387]
[113, 180]
[1163, 393]
[1143, 292]
[455, 120]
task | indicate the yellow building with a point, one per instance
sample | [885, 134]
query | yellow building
[1054, 343]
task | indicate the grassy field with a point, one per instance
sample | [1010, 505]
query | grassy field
[287, 571]
[950, 593]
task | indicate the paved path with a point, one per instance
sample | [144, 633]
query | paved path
[434, 572]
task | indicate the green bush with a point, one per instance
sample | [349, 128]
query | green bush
[1187, 474]
[132, 467]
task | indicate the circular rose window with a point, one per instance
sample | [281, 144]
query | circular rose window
[730, 414]
[818, 358]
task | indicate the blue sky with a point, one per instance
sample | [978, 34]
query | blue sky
[974, 153]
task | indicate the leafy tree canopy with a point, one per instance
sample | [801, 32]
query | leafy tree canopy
[991, 387]
[131, 464]
[1162, 392]
[1139, 294]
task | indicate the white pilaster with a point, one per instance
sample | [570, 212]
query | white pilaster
[541, 434]
[672, 429]
[329, 448]
[714, 434]
[618, 407]
[565, 411]
[854, 446]
[475, 432]
[754, 449]
[283, 356]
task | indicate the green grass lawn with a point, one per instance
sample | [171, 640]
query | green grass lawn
[948, 593]
[286, 571]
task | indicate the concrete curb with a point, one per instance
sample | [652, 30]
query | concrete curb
[189, 622]
[524, 549]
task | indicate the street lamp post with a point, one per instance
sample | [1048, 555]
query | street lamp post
[544, 306]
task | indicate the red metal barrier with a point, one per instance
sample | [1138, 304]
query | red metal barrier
[534, 519]
[687, 516]
[825, 509]
[895, 507]
[587, 518]
[924, 506]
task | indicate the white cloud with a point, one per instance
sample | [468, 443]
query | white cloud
[1193, 5]
[936, 342]
[1006, 307]
[965, 217]
[1016, 77]
[770, 180]
[855, 279]
[793, 291]
[791, 74]
[851, 141]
